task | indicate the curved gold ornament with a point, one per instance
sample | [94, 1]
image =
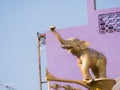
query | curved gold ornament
[97, 84]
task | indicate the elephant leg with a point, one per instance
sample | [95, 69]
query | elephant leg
[95, 72]
[102, 68]
[79, 62]
[102, 72]
[85, 72]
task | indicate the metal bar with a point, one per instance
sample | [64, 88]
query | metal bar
[94, 4]
[39, 64]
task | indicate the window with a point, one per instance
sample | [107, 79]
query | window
[109, 22]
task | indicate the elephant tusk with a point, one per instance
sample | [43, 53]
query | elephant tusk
[66, 46]
[69, 51]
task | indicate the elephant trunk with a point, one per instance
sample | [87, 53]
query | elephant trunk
[57, 35]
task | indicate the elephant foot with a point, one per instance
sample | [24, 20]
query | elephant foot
[89, 82]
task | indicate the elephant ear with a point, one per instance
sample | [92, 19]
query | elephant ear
[84, 45]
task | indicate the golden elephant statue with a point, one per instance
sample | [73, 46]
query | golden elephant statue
[87, 58]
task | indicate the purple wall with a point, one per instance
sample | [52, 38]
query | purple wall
[102, 32]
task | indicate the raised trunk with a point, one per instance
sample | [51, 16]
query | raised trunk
[57, 35]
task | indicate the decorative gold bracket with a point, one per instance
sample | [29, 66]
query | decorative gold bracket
[98, 84]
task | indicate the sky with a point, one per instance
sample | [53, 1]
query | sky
[20, 20]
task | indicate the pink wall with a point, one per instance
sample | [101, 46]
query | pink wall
[63, 65]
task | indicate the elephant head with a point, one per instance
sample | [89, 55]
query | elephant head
[73, 45]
